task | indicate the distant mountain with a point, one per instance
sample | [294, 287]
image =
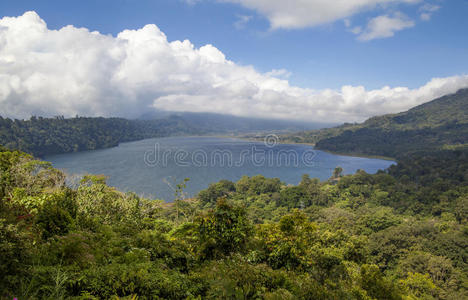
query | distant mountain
[223, 123]
[438, 124]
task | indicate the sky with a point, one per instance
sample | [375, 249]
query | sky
[311, 60]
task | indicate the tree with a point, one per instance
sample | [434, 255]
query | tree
[337, 173]
[223, 230]
[179, 195]
[288, 243]
[215, 191]
[377, 286]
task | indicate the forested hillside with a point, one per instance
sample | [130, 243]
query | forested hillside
[45, 136]
[439, 124]
[400, 234]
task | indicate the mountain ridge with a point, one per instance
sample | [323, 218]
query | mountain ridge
[435, 125]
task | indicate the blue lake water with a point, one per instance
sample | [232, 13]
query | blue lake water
[151, 167]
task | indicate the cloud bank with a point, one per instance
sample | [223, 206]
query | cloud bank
[74, 71]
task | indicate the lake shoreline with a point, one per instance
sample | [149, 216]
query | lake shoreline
[360, 155]
[327, 151]
[143, 168]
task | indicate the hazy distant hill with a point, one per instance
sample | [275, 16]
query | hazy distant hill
[218, 123]
[441, 123]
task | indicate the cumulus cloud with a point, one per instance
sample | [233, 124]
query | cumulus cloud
[385, 26]
[293, 14]
[74, 71]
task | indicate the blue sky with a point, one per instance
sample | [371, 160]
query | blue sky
[325, 56]
[317, 54]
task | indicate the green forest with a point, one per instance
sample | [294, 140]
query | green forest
[398, 234]
[45, 136]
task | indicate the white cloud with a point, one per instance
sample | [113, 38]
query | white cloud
[242, 21]
[296, 14]
[281, 73]
[191, 2]
[430, 7]
[385, 26]
[73, 71]
[425, 16]
[293, 14]
[427, 10]
[347, 23]
[355, 29]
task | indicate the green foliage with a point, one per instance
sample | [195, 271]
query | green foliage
[287, 243]
[398, 234]
[419, 286]
[216, 191]
[236, 278]
[15, 253]
[223, 230]
[57, 214]
[257, 185]
[376, 285]
[338, 172]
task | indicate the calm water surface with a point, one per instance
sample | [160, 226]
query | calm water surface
[150, 167]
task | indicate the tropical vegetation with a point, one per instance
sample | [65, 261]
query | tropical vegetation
[398, 234]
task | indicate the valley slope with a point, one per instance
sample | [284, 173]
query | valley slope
[436, 125]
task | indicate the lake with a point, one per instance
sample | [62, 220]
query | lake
[152, 167]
